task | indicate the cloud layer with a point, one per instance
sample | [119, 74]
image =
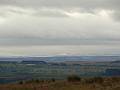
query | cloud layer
[60, 22]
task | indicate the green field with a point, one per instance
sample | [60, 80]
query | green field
[17, 71]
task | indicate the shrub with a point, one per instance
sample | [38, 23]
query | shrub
[37, 81]
[32, 81]
[115, 79]
[21, 82]
[95, 80]
[73, 78]
[98, 79]
[53, 79]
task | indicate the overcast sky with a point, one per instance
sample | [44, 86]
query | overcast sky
[59, 27]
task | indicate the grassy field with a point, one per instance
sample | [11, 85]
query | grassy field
[96, 83]
[47, 71]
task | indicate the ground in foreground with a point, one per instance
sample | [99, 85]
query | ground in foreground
[98, 83]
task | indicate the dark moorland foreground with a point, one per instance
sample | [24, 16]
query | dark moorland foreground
[96, 83]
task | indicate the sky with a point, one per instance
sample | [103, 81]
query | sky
[59, 27]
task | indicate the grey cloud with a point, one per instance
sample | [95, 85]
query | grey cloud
[32, 41]
[50, 13]
[30, 25]
[58, 3]
[32, 30]
[64, 3]
[66, 27]
[38, 23]
[44, 12]
[116, 15]
[87, 5]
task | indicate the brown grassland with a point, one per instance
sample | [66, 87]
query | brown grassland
[96, 83]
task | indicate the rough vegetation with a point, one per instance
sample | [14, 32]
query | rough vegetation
[73, 78]
[72, 83]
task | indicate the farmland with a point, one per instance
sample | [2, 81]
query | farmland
[17, 71]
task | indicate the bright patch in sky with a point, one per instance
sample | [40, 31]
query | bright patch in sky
[2, 20]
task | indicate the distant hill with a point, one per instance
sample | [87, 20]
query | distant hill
[112, 72]
[115, 62]
[6, 62]
[80, 62]
[33, 62]
[63, 58]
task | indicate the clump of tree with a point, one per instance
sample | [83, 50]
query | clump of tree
[72, 78]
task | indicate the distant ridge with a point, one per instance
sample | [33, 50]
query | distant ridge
[63, 58]
[115, 61]
[33, 62]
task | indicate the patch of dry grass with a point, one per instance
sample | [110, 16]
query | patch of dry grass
[97, 83]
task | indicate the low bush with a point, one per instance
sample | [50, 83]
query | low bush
[99, 80]
[73, 78]
[53, 79]
[21, 82]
